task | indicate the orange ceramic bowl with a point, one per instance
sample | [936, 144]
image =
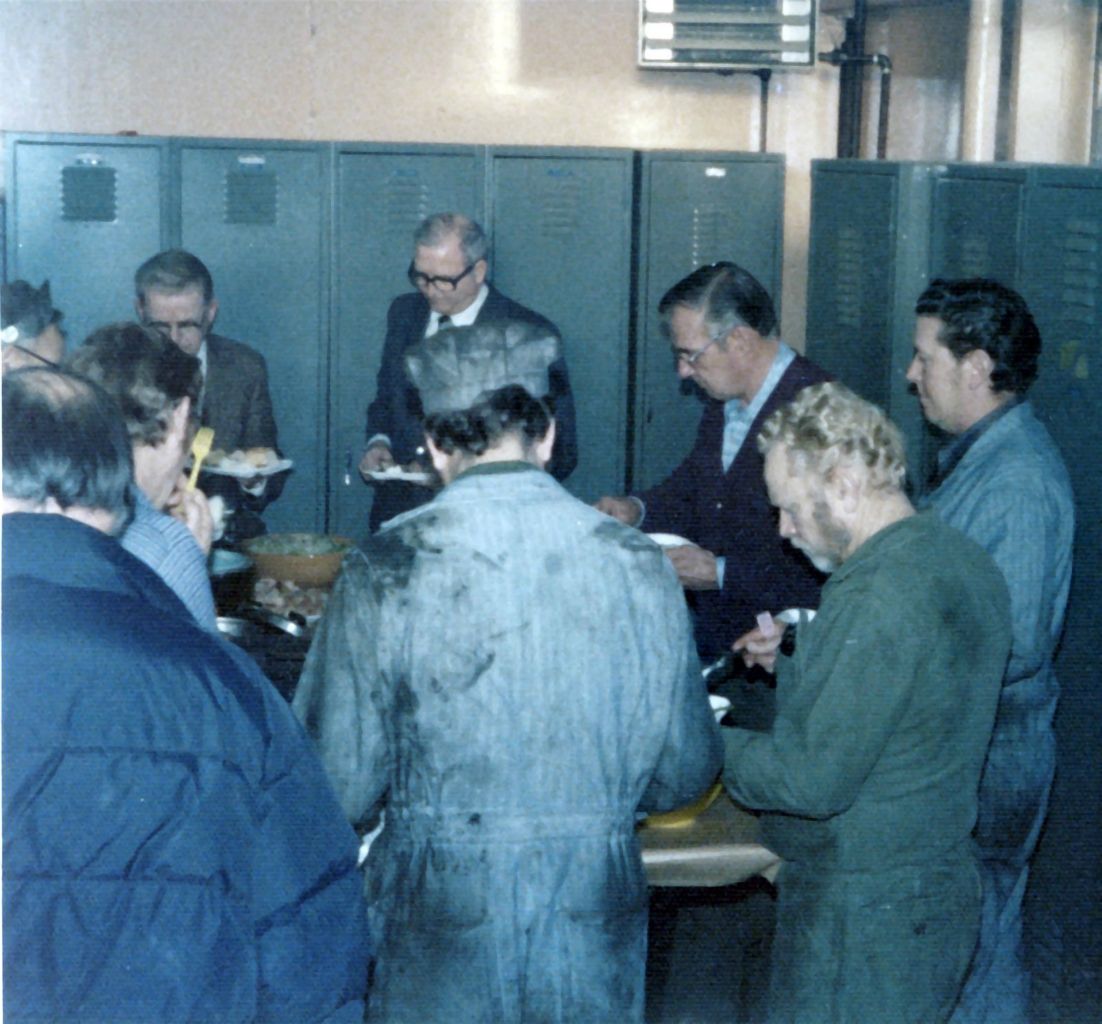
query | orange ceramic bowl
[307, 559]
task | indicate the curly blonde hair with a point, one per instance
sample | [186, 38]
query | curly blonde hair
[827, 424]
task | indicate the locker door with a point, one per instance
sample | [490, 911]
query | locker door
[382, 194]
[254, 213]
[1062, 282]
[977, 222]
[85, 211]
[868, 260]
[696, 208]
[562, 246]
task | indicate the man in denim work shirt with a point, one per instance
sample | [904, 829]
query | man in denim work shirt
[514, 673]
[1001, 480]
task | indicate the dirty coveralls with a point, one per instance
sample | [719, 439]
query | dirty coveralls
[869, 779]
[514, 673]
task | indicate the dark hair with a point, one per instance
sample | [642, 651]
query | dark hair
[27, 309]
[727, 295]
[978, 313]
[64, 439]
[144, 372]
[173, 271]
[510, 409]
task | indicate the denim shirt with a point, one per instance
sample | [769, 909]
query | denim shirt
[1010, 492]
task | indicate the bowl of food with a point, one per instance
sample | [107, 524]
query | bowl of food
[308, 559]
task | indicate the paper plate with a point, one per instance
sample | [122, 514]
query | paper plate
[397, 473]
[668, 540]
[246, 470]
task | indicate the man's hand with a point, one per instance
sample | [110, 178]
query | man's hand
[624, 509]
[696, 567]
[376, 458]
[757, 648]
[191, 508]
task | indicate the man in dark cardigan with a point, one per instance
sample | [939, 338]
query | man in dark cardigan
[722, 326]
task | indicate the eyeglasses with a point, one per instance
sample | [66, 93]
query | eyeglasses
[690, 358]
[446, 284]
[188, 328]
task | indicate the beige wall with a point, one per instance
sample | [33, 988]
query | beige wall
[537, 72]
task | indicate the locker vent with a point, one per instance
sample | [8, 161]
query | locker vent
[848, 277]
[1081, 273]
[252, 196]
[975, 257]
[405, 202]
[88, 192]
[713, 228]
[560, 202]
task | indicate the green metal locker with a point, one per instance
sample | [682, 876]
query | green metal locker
[84, 211]
[694, 208]
[868, 262]
[561, 230]
[1062, 282]
[381, 193]
[977, 221]
[255, 214]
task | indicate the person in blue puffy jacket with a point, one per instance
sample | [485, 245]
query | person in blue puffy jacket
[172, 850]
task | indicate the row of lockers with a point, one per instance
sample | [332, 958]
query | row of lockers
[879, 232]
[308, 244]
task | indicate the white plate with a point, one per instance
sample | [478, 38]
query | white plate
[246, 470]
[397, 473]
[668, 540]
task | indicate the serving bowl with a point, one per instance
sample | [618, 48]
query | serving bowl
[308, 559]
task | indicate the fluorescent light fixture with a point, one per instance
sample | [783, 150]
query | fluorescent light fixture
[718, 35]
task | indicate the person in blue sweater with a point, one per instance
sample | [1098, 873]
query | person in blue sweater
[1001, 480]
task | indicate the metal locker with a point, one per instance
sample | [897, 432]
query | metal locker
[977, 221]
[868, 263]
[84, 211]
[1062, 282]
[695, 208]
[561, 230]
[381, 194]
[254, 213]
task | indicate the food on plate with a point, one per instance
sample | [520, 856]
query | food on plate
[258, 458]
[286, 598]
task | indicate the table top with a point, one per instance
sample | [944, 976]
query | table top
[719, 847]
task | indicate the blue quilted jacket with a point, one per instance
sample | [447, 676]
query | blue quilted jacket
[172, 848]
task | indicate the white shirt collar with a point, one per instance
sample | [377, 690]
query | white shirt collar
[464, 318]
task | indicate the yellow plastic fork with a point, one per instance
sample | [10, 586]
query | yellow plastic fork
[200, 449]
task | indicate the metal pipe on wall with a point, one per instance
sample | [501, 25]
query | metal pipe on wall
[981, 81]
[851, 82]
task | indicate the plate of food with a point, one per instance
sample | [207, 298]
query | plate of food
[246, 463]
[411, 476]
[668, 540]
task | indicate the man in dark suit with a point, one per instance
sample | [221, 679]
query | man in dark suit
[448, 269]
[722, 326]
[174, 294]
